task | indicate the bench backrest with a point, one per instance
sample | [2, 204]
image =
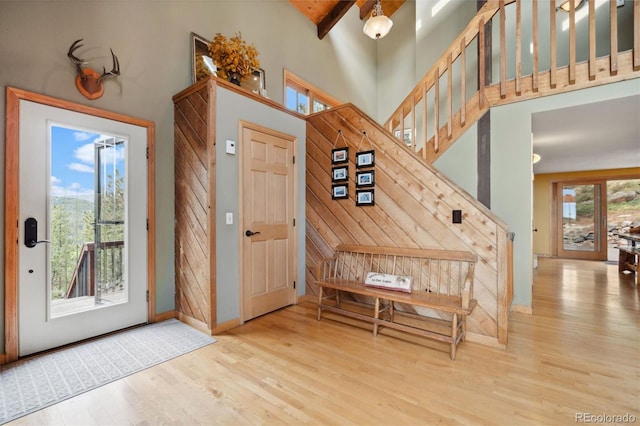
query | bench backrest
[431, 270]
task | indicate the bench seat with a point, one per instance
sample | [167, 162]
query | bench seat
[442, 282]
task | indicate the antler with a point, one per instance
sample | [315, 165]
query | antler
[114, 71]
[79, 62]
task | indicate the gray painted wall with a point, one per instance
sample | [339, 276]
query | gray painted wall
[231, 108]
[152, 41]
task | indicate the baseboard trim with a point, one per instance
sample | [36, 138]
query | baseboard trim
[484, 340]
[522, 309]
[227, 325]
[307, 298]
[164, 316]
[3, 358]
[197, 324]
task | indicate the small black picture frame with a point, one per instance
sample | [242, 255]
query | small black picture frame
[339, 192]
[365, 159]
[365, 178]
[340, 174]
[340, 155]
[365, 197]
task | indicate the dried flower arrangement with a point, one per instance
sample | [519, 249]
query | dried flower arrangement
[232, 56]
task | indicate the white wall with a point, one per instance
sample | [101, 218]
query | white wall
[152, 41]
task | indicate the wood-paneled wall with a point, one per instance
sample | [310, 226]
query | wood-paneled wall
[194, 113]
[413, 208]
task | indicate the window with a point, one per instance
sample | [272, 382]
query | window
[305, 98]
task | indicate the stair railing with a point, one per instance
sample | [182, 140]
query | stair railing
[426, 120]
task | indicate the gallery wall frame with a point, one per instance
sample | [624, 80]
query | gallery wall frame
[365, 197]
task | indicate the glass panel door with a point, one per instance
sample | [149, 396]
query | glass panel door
[582, 221]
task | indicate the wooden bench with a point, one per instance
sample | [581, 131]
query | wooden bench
[441, 290]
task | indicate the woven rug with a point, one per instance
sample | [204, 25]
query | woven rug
[34, 383]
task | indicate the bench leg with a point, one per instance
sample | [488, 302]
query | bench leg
[376, 314]
[454, 335]
[319, 302]
[464, 328]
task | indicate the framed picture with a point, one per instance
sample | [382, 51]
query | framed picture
[364, 197]
[201, 63]
[365, 159]
[365, 178]
[406, 136]
[340, 174]
[339, 155]
[339, 192]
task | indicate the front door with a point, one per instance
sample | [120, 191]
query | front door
[582, 219]
[268, 206]
[82, 268]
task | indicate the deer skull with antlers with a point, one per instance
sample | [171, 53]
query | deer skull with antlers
[89, 81]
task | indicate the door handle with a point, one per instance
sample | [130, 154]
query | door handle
[31, 233]
[249, 233]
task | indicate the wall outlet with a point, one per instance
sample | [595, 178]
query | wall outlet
[229, 219]
[231, 147]
[457, 216]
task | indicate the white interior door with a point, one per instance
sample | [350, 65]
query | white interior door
[83, 227]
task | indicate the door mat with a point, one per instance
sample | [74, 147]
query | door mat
[34, 383]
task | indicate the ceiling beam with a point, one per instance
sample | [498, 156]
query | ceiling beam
[366, 8]
[332, 18]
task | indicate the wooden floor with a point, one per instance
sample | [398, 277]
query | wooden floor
[578, 353]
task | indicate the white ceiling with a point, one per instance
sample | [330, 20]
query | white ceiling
[596, 136]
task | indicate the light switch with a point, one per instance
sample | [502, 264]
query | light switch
[229, 218]
[231, 147]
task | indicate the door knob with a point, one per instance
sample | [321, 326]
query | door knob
[31, 233]
[249, 233]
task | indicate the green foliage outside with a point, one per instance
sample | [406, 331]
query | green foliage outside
[73, 225]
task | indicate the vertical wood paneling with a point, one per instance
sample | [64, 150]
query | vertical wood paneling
[463, 82]
[481, 65]
[449, 95]
[592, 40]
[413, 207]
[572, 43]
[636, 35]
[436, 114]
[536, 47]
[553, 47]
[503, 50]
[518, 47]
[613, 19]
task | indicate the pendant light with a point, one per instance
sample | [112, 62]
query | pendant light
[378, 25]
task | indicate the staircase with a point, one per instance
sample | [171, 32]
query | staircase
[414, 203]
[427, 114]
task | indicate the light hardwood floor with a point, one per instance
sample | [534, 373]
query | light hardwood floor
[578, 353]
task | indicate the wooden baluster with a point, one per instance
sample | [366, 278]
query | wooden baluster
[636, 35]
[534, 73]
[572, 43]
[463, 82]
[424, 122]
[553, 78]
[449, 94]
[503, 51]
[518, 47]
[436, 137]
[613, 17]
[481, 67]
[413, 120]
[592, 40]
